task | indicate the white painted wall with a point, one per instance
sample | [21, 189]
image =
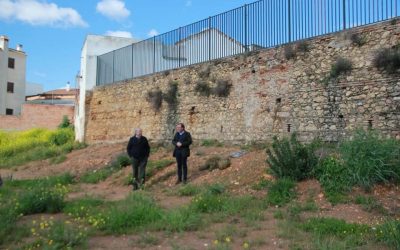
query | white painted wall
[17, 76]
[93, 46]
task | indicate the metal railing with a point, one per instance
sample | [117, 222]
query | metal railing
[262, 24]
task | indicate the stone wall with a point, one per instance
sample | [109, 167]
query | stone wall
[36, 116]
[270, 95]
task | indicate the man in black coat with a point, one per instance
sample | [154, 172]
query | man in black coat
[182, 141]
[139, 150]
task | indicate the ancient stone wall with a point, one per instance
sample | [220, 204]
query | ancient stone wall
[269, 95]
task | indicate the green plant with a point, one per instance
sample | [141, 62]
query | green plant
[188, 190]
[205, 72]
[58, 159]
[341, 66]
[389, 233]
[334, 179]
[171, 97]
[388, 59]
[281, 192]
[303, 46]
[289, 158]
[203, 88]
[155, 99]
[211, 143]
[222, 89]
[262, 184]
[358, 39]
[371, 159]
[370, 204]
[62, 136]
[65, 123]
[289, 52]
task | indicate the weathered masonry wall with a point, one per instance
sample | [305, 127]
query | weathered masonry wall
[270, 95]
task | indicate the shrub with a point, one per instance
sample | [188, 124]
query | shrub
[171, 97]
[334, 179]
[281, 192]
[289, 158]
[358, 39]
[371, 159]
[289, 52]
[202, 88]
[155, 99]
[388, 59]
[303, 46]
[62, 136]
[42, 199]
[65, 123]
[205, 73]
[222, 89]
[341, 66]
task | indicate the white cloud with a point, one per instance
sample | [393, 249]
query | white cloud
[119, 33]
[188, 3]
[113, 9]
[35, 12]
[153, 32]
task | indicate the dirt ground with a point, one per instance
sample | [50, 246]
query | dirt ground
[242, 174]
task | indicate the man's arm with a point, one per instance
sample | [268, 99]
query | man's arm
[129, 147]
[147, 147]
[188, 140]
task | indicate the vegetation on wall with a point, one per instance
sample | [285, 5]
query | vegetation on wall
[203, 88]
[388, 59]
[358, 39]
[171, 97]
[155, 99]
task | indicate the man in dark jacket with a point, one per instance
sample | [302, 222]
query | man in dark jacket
[139, 150]
[182, 141]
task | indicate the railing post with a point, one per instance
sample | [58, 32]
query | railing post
[245, 28]
[154, 54]
[209, 38]
[97, 71]
[344, 14]
[289, 20]
[113, 66]
[179, 47]
[132, 61]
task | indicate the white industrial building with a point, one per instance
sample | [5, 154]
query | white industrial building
[12, 78]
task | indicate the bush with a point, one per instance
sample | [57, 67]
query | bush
[371, 159]
[289, 52]
[281, 192]
[334, 179]
[205, 73]
[171, 97]
[65, 123]
[289, 158]
[155, 99]
[388, 59]
[222, 89]
[341, 66]
[358, 39]
[202, 88]
[62, 136]
[303, 46]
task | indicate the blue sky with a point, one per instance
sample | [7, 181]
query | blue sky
[52, 31]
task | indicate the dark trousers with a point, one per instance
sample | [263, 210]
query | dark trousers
[139, 171]
[182, 166]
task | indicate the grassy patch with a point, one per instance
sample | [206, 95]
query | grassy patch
[389, 233]
[154, 166]
[211, 143]
[97, 175]
[281, 192]
[17, 148]
[58, 159]
[370, 204]
[189, 190]
[262, 185]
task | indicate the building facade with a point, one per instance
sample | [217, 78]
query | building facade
[12, 78]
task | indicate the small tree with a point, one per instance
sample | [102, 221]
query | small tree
[65, 123]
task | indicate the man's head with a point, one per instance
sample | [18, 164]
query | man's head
[180, 127]
[138, 132]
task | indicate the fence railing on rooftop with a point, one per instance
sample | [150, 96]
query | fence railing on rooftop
[259, 25]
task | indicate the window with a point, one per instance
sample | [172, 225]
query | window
[9, 111]
[11, 63]
[10, 87]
